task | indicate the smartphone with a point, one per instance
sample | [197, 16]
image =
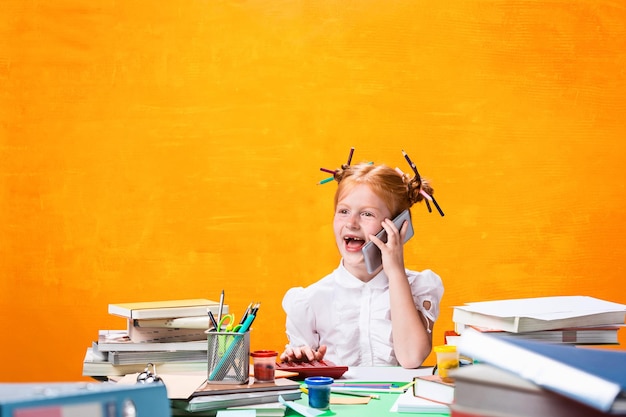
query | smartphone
[371, 253]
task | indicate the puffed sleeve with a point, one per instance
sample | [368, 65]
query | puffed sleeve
[427, 290]
[300, 326]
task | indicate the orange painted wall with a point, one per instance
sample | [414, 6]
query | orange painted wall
[153, 152]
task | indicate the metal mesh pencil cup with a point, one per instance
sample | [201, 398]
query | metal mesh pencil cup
[228, 357]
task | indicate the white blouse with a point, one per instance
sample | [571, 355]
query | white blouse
[353, 318]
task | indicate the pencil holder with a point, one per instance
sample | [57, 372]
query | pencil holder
[228, 357]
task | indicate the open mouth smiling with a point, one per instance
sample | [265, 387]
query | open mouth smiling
[353, 243]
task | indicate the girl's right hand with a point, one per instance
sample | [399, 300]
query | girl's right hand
[303, 354]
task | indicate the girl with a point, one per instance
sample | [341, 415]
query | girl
[355, 318]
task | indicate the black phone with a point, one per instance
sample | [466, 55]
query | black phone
[371, 253]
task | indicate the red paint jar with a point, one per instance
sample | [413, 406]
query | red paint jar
[264, 365]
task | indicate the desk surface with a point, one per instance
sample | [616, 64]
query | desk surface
[384, 373]
[375, 408]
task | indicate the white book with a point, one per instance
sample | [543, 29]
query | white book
[542, 313]
[125, 358]
[163, 334]
[409, 403]
[119, 340]
[95, 367]
[166, 309]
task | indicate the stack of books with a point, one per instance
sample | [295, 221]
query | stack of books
[191, 394]
[170, 334]
[574, 320]
[514, 377]
[260, 396]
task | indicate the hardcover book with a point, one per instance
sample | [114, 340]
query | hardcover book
[219, 396]
[166, 309]
[139, 334]
[124, 358]
[592, 376]
[218, 402]
[119, 341]
[485, 390]
[433, 387]
[252, 386]
[99, 368]
[409, 403]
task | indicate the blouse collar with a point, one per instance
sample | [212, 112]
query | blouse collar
[346, 279]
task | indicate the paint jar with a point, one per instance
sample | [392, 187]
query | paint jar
[264, 365]
[447, 359]
[319, 391]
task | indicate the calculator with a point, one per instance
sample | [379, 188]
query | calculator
[313, 368]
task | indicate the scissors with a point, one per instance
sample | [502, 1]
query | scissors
[227, 324]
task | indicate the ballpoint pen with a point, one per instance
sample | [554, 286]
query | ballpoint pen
[213, 321]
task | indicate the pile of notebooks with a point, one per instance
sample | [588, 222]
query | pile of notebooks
[171, 336]
[153, 335]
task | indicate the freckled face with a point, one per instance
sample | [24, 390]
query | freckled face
[359, 213]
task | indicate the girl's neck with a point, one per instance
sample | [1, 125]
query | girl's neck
[361, 272]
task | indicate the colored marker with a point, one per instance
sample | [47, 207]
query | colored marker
[213, 321]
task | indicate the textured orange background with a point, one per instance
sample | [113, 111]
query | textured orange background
[165, 151]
